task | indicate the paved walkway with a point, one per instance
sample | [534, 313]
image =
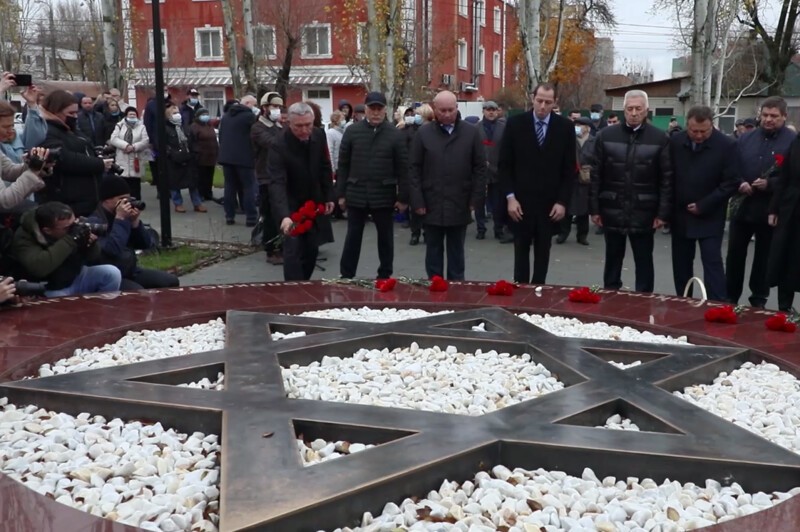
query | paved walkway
[487, 260]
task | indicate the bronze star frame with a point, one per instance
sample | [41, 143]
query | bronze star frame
[264, 485]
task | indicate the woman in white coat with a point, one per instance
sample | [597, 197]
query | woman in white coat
[133, 149]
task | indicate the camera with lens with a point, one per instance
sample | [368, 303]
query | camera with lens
[28, 289]
[108, 152]
[95, 229]
[36, 163]
[137, 204]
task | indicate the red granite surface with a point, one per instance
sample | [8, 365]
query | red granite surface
[46, 331]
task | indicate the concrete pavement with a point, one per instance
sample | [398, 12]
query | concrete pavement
[487, 260]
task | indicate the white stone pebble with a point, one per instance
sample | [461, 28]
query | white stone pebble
[433, 379]
[622, 365]
[575, 328]
[384, 315]
[207, 384]
[531, 501]
[134, 473]
[758, 397]
[320, 450]
[617, 422]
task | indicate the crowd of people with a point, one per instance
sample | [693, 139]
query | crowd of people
[74, 173]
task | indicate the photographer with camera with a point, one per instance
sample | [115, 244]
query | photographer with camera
[51, 245]
[20, 180]
[77, 172]
[126, 233]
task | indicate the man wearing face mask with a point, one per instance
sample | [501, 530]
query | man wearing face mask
[263, 135]
[596, 116]
[579, 204]
[190, 107]
[205, 146]
[237, 158]
[77, 173]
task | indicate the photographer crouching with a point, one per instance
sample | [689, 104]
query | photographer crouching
[52, 246]
[126, 233]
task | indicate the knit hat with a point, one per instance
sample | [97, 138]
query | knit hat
[111, 187]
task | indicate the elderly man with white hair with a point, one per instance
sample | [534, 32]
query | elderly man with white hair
[631, 190]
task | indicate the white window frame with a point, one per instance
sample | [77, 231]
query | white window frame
[463, 8]
[198, 48]
[498, 22]
[361, 45]
[271, 54]
[462, 54]
[481, 7]
[496, 64]
[481, 60]
[151, 1]
[151, 56]
[206, 93]
[303, 53]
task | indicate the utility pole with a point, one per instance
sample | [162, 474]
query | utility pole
[53, 54]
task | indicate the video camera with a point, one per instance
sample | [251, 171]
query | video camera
[36, 163]
[27, 288]
[108, 152]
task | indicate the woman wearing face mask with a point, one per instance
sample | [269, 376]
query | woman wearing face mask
[262, 136]
[133, 149]
[112, 116]
[181, 168]
[204, 144]
[77, 174]
[411, 123]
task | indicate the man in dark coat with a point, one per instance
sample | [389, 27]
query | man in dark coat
[704, 168]
[237, 159]
[373, 166]
[631, 194]
[92, 124]
[758, 176]
[149, 120]
[491, 130]
[579, 203]
[784, 216]
[537, 173]
[263, 134]
[190, 107]
[447, 180]
[299, 170]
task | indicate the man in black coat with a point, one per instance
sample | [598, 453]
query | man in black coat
[491, 129]
[298, 170]
[631, 193]
[538, 171]
[190, 107]
[92, 124]
[447, 180]
[758, 177]
[705, 173]
[238, 160]
[373, 166]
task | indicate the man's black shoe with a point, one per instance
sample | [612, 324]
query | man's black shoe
[560, 239]
[507, 239]
[480, 236]
[414, 240]
[583, 241]
[218, 201]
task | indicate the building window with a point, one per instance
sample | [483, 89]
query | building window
[317, 41]
[727, 119]
[362, 38]
[264, 42]
[164, 48]
[462, 54]
[496, 64]
[208, 44]
[664, 111]
[481, 7]
[498, 22]
[318, 94]
[481, 60]
[463, 8]
[213, 100]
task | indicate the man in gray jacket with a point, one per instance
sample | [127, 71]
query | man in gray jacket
[370, 178]
[447, 180]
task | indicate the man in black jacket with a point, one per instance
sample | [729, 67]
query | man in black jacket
[373, 165]
[706, 175]
[190, 107]
[263, 134]
[631, 194]
[758, 176]
[237, 159]
[299, 170]
[538, 171]
[91, 123]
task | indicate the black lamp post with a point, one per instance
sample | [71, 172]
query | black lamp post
[161, 130]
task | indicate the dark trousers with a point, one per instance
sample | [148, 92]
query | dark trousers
[480, 219]
[415, 222]
[498, 206]
[739, 235]
[135, 184]
[536, 232]
[205, 181]
[145, 278]
[271, 229]
[300, 256]
[384, 224]
[439, 238]
[236, 177]
[683, 252]
[154, 171]
[581, 226]
[642, 246]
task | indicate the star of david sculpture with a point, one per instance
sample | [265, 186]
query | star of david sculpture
[265, 486]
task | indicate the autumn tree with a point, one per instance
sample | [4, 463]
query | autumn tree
[78, 28]
[17, 31]
[780, 43]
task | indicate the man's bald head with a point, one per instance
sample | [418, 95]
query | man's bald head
[250, 101]
[445, 107]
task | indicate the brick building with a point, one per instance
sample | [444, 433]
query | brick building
[458, 45]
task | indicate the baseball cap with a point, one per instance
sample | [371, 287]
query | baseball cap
[739, 122]
[375, 98]
[585, 121]
[193, 91]
[490, 105]
[750, 122]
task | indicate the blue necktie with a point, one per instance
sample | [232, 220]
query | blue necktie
[540, 132]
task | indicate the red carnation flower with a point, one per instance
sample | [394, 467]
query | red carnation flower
[321, 208]
[779, 158]
[438, 284]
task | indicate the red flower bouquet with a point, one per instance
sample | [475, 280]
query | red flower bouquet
[501, 288]
[724, 314]
[434, 284]
[302, 221]
[585, 295]
[385, 285]
[781, 322]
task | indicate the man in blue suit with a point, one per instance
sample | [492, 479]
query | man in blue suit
[705, 176]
